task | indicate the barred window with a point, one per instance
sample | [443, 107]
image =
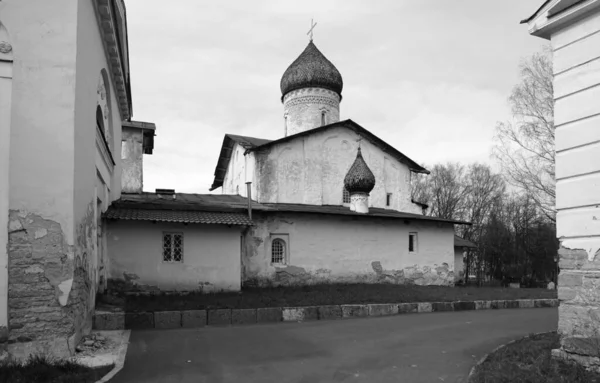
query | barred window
[345, 196]
[173, 247]
[277, 251]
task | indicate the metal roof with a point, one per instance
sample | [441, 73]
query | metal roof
[461, 242]
[179, 216]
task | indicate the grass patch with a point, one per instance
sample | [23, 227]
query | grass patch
[41, 369]
[326, 294]
[529, 360]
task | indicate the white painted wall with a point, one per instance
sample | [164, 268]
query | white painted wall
[212, 255]
[311, 170]
[5, 112]
[44, 39]
[459, 264]
[576, 50]
[343, 248]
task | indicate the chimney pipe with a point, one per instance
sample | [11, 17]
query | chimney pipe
[249, 196]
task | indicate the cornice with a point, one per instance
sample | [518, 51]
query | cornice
[108, 31]
[544, 25]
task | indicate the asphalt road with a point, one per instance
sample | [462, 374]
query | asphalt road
[435, 347]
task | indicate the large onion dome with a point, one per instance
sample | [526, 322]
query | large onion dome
[311, 69]
[360, 178]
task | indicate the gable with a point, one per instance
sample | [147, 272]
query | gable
[230, 141]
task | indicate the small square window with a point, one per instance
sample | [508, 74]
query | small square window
[388, 199]
[412, 242]
[173, 247]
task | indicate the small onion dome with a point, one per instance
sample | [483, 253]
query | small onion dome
[311, 69]
[359, 178]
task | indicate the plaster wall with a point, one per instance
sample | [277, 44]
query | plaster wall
[5, 112]
[311, 170]
[306, 108]
[459, 264]
[235, 177]
[132, 155]
[576, 53]
[348, 249]
[41, 227]
[211, 257]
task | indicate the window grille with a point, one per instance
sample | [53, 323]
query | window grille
[172, 247]
[277, 251]
[345, 196]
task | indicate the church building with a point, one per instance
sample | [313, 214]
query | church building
[329, 201]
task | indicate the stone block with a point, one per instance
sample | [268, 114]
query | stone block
[408, 308]
[193, 318]
[497, 304]
[425, 307]
[512, 304]
[442, 306]
[382, 309]
[330, 312]
[570, 280]
[269, 314]
[589, 346]
[138, 321]
[167, 319]
[579, 321]
[463, 305]
[109, 321]
[576, 260]
[219, 317]
[566, 293]
[543, 303]
[292, 314]
[525, 303]
[243, 316]
[355, 311]
[483, 305]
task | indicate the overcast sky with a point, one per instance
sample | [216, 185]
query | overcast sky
[430, 77]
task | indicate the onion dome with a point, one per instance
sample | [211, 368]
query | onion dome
[311, 69]
[360, 178]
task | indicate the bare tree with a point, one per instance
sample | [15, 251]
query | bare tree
[525, 148]
[443, 190]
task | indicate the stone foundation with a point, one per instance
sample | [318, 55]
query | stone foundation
[579, 310]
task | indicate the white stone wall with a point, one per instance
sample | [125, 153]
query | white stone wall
[311, 170]
[349, 249]
[305, 109]
[132, 156]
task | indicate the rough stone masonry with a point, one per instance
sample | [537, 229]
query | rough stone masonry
[579, 309]
[48, 288]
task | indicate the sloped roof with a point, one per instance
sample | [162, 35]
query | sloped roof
[311, 69]
[178, 216]
[461, 242]
[557, 8]
[254, 144]
[229, 209]
[229, 142]
[343, 210]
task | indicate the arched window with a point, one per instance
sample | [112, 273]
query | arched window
[322, 118]
[345, 196]
[100, 121]
[278, 251]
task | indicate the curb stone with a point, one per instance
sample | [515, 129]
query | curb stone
[199, 318]
[486, 356]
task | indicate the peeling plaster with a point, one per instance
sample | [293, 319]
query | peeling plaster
[65, 288]
[590, 245]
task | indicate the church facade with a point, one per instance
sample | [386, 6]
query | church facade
[323, 229]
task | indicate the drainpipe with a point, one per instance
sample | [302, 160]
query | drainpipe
[249, 192]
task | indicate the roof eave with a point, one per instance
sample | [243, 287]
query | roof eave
[543, 24]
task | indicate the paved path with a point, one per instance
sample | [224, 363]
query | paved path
[436, 347]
